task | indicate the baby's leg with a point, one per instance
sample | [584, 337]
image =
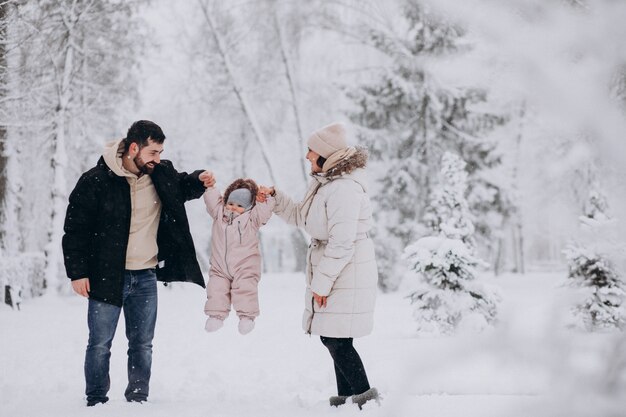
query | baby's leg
[218, 296]
[245, 296]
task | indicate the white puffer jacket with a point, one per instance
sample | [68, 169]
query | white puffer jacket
[340, 262]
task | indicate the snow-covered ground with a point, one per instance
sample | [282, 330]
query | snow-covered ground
[520, 368]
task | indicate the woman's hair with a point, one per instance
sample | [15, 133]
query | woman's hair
[242, 183]
[320, 162]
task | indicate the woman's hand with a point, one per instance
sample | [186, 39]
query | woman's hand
[263, 192]
[320, 299]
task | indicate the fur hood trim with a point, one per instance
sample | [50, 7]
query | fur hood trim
[348, 165]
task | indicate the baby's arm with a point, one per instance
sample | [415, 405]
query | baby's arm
[262, 211]
[213, 201]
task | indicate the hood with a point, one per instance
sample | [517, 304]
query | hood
[246, 183]
[351, 167]
[348, 165]
[112, 155]
[230, 216]
[360, 176]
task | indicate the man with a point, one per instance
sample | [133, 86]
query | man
[126, 227]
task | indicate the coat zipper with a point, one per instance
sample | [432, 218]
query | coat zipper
[239, 229]
[230, 221]
[312, 298]
[312, 314]
[130, 216]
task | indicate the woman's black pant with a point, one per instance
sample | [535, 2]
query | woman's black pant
[349, 370]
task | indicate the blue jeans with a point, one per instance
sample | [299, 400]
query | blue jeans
[140, 311]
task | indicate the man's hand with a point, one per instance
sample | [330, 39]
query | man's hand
[207, 178]
[81, 287]
[320, 299]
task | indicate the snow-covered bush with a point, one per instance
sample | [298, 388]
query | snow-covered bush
[448, 296]
[602, 307]
[592, 269]
[22, 276]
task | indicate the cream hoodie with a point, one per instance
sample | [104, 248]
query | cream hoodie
[146, 211]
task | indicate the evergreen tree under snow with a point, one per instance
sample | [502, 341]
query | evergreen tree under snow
[449, 296]
[591, 269]
[408, 119]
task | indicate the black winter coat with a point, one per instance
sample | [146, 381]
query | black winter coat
[97, 226]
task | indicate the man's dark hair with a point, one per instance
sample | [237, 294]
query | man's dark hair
[141, 131]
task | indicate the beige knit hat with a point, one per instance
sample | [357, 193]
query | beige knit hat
[328, 140]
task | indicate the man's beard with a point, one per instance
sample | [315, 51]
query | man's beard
[143, 167]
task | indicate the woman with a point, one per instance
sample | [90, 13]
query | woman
[341, 266]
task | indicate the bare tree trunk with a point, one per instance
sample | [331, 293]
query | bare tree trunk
[299, 237]
[521, 267]
[3, 129]
[498, 262]
[59, 200]
[59, 163]
[517, 231]
[292, 91]
[5, 290]
[516, 252]
[300, 249]
[243, 160]
[239, 91]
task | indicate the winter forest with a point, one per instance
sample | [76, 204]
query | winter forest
[495, 132]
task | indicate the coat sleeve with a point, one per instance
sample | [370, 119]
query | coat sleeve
[342, 209]
[80, 224]
[189, 184]
[261, 212]
[213, 201]
[288, 210]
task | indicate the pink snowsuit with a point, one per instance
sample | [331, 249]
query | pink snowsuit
[235, 257]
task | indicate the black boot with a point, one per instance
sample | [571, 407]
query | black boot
[91, 403]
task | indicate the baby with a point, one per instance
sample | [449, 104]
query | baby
[235, 257]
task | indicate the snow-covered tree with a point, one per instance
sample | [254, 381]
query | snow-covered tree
[89, 52]
[21, 272]
[564, 97]
[70, 77]
[409, 119]
[4, 21]
[246, 68]
[448, 212]
[591, 269]
[449, 296]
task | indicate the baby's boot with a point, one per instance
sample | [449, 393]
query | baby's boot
[213, 323]
[246, 324]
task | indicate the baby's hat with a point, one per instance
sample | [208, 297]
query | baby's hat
[241, 196]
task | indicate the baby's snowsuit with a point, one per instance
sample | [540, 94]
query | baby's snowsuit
[235, 257]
